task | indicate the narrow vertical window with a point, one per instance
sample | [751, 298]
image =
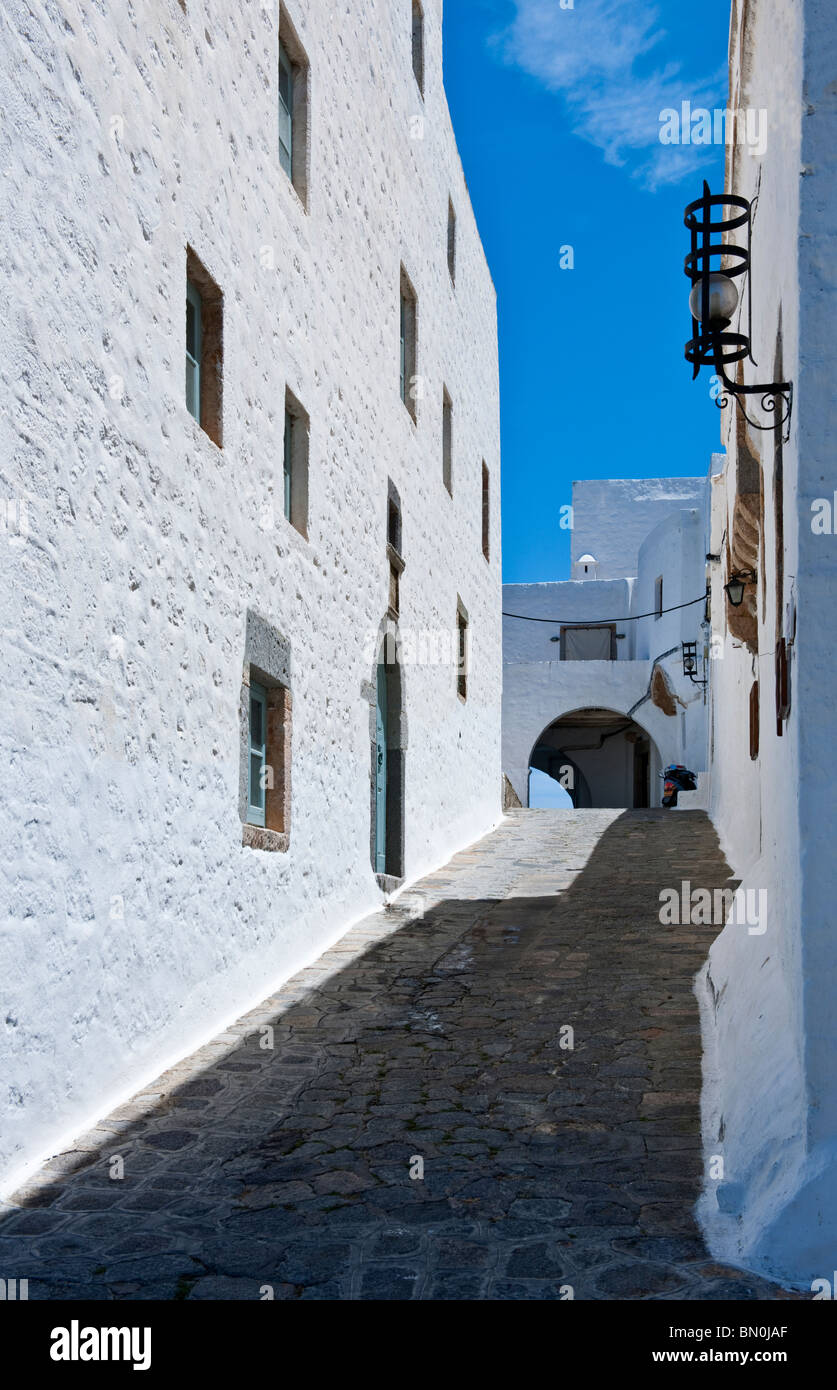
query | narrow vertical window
[418, 45]
[194, 309]
[461, 651]
[295, 447]
[486, 513]
[396, 563]
[286, 111]
[258, 751]
[408, 344]
[288, 460]
[292, 104]
[658, 596]
[447, 441]
[204, 348]
[451, 241]
[754, 720]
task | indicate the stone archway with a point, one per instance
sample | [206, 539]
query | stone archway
[601, 757]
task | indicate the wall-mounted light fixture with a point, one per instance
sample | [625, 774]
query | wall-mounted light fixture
[714, 299]
[734, 589]
[690, 663]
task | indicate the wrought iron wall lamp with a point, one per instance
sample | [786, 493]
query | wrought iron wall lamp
[713, 267]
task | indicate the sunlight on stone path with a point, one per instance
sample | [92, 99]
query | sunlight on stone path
[280, 1154]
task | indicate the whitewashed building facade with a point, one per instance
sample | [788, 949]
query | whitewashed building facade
[250, 425]
[770, 1023]
[595, 694]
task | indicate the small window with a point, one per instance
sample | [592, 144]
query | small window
[286, 111]
[486, 512]
[451, 241]
[447, 441]
[258, 754]
[204, 348]
[194, 310]
[658, 596]
[292, 106]
[418, 45]
[593, 642]
[396, 563]
[409, 343]
[268, 762]
[295, 464]
[754, 720]
[461, 651]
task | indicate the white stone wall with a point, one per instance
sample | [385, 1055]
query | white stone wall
[770, 1096]
[130, 132]
[612, 517]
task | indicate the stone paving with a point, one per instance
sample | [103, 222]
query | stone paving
[434, 1033]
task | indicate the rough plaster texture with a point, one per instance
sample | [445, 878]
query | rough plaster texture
[612, 517]
[135, 921]
[770, 1085]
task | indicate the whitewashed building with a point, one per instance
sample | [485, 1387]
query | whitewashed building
[768, 995]
[249, 427]
[595, 686]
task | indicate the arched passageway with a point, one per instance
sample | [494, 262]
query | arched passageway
[600, 757]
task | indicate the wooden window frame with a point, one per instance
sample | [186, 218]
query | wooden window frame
[209, 376]
[574, 627]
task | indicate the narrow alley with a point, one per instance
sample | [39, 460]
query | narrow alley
[489, 1090]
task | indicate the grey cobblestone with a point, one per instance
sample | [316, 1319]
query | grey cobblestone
[432, 1031]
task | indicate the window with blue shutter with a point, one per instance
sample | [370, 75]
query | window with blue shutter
[194, 315]
[258, 754]
[286, 108]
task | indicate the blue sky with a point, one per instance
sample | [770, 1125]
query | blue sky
[556, 113]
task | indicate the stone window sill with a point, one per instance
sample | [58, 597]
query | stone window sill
[257, 837]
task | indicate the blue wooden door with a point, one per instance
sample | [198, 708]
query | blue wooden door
[381, 773]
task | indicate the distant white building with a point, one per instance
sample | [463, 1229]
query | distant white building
[250, 428]
[595, 694]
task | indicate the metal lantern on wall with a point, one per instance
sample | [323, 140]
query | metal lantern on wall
[714, 265]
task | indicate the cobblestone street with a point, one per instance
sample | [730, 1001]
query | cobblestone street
[433, 1030]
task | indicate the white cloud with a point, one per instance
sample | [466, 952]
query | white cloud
[607, 58]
